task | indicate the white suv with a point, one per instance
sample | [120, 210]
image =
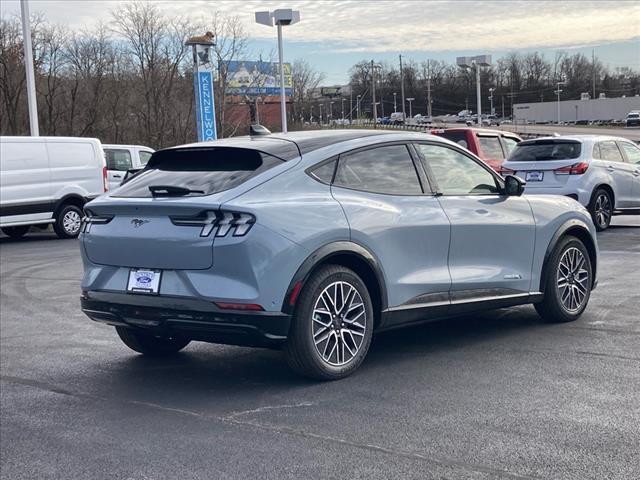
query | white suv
[600, 172]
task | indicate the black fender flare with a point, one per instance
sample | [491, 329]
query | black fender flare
[571, 224]
[324, 253]
[69, 199]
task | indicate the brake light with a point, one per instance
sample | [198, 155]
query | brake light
[221, 222]
[105, 179]
[92, 219]
[252, 307]
[506, 171]
[575, 169]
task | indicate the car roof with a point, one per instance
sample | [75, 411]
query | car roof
[115, 145]
[288, 146]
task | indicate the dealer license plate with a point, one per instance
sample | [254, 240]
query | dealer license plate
[534, 176]
[144, 280]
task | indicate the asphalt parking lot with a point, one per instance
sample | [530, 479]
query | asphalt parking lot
[497, 395]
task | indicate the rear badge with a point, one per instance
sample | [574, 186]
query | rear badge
[137, 222]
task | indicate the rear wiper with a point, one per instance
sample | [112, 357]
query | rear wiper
[171, 191]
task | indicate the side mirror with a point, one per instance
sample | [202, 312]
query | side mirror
[514, 185]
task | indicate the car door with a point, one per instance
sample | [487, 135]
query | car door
[620, 171]
[492, 234]
[632, 157]
[393, 213]
[118, 162]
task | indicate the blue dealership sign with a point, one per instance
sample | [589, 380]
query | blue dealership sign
[203, 87]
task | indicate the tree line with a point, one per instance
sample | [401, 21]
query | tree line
[514, 78]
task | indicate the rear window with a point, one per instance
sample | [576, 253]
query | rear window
[458, 137]
[541, 150]
[197, 172]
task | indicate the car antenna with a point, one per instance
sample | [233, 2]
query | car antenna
[255, 129]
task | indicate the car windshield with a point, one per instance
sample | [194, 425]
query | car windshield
[634, 115]
[541, 150]
[196, 172]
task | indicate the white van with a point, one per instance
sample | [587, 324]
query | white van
[121, 158]
[46, 180]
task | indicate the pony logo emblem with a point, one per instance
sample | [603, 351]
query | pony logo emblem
[137, 222]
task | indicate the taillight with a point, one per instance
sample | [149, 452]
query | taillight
[505, 171]
[105, 179]
[252, 307]
[221, 222]
[575, 169]
[92, 219]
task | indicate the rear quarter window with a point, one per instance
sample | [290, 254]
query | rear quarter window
[204, 171]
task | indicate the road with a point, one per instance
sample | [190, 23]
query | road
[496, 395]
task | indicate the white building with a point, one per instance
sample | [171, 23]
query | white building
[576, 110]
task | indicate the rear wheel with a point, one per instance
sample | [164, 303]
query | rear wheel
[568, 282]
[16, 232]
[148, 344]
[601, 209]
[332, 326]
[68, 222]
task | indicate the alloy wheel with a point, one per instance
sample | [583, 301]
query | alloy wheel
[71, 222]
[572, 279]
[339, 323]
[603, 209]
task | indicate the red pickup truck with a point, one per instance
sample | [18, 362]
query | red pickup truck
[492, 146]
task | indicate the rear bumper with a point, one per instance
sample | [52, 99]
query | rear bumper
[193, 319]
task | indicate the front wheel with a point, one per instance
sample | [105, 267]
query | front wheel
[601, 209]
[148, 344]
[568, 282]
[332, 325]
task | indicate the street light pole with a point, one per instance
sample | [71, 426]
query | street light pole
[342, 102]
[280, 17]
[395, 108]
[478, 97]
[410, 99]
[558, 92]
[404, 114]
[358, 107]
[475, 63]
[320, 105]
[28, 63]
[429, 113]
[491, 99]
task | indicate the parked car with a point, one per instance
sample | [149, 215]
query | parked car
[47, 180]
[397, 118]
[384, 121]
[600, 172]
[124, 158]
[311, 241]
[633, 119]
[492, 146]
[423, 119]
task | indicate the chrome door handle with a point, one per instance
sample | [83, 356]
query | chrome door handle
[117, 176]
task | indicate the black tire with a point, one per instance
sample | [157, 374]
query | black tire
[552, 308]
[300, 349]
[148, 344]
[16, 232]
[68, 222]
[601, 209]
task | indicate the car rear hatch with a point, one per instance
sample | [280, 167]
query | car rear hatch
[165, 216]
[545, 163]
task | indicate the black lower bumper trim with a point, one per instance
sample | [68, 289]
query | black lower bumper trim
[193, 319]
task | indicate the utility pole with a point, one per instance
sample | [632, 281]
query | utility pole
[310, 114]
[429, 96]
[404, 113]
[320, 105]
[503, 107]
[28, 63]
[382, 106]
[358, 107]
[373, 93]
[558, 91]
[478, 99]
[350, 105]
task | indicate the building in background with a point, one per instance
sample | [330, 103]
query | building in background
[584, 110]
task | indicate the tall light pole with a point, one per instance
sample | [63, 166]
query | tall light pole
[429, 96]
[476, 63]
[374, 67]
[342, 100]
[280, 17]
[558, 92]
[491, 90]
[320, 105]
[404, 113]
[358, 107]
[28, 63]
[331, 111]
[410, 99]
[395, 108]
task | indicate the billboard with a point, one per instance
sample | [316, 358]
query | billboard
[257, 78]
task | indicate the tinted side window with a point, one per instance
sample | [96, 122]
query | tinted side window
[386, 169]
[510, 144]
[324, 172]
[117, 159]
[631, 151]
[609, 151]
[490, 147]
[457, 174]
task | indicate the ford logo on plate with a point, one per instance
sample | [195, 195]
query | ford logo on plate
[143, 279]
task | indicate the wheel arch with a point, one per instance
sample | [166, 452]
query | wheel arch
[347, 254]
[580, 230]
[609, 189]
[70, 199]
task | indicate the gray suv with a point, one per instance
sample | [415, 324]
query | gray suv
[313, 241]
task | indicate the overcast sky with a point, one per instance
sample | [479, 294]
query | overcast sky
[335, 34]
